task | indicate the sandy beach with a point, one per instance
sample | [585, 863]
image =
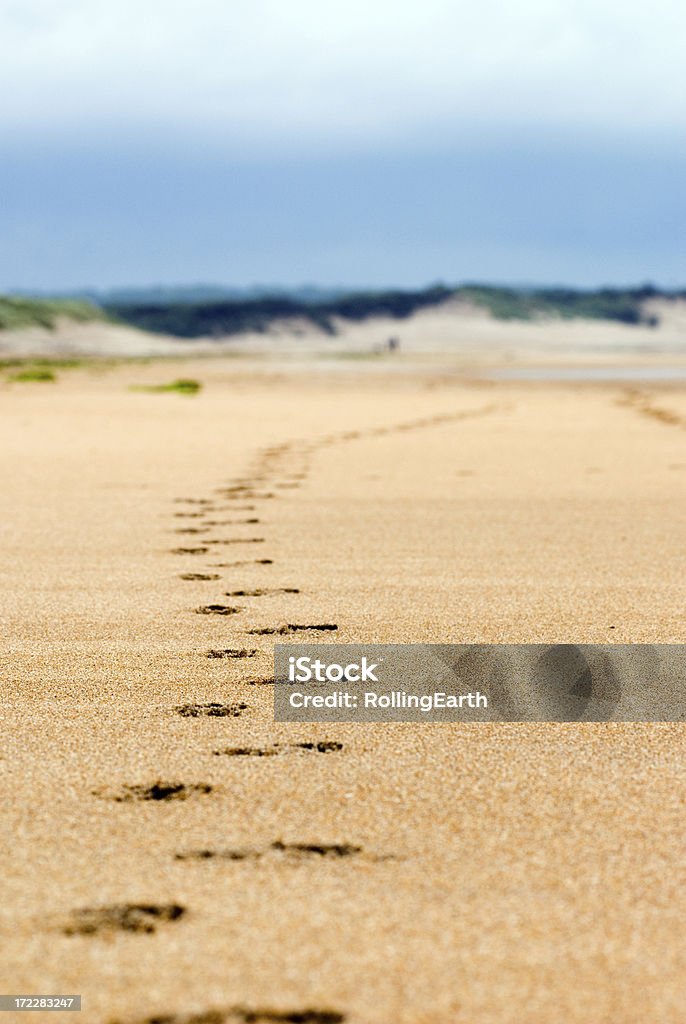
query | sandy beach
[399, 874]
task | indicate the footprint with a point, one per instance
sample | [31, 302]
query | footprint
[232, 652]
[211, 710]
[320, 747]
[245, 561]
[218, 855]
[299, 850]
[290, 851]
[157, 791]
[199, 576]
[262, 592]
[241, 493]
[244, 1015]
[122, 917]
[237, 540]
[290, 627]
[271, 751]
[308, 1016]
[569, 688]
[217, 609]
[231, 522]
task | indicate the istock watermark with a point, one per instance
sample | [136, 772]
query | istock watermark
[479, 682]
[306, 669]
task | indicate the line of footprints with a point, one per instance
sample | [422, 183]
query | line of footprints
[277, 469]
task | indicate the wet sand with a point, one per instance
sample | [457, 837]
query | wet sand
[488, 874]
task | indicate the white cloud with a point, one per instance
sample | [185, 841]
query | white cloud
[344, 70]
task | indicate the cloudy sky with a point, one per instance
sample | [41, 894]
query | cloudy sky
[291, 141]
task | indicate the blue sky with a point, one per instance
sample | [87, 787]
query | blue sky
[341, 143]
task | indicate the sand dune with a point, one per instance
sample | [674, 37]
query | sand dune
[455, 326]
[174, 855]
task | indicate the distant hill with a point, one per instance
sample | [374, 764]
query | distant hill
[202, 311]
[194, 318]
[17, 312]
[198, 319]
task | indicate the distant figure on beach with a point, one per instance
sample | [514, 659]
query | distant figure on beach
[393, 344]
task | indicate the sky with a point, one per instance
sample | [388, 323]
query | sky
[346, 143]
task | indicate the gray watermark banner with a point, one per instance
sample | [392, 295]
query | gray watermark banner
[480, 682]
[23, 1003]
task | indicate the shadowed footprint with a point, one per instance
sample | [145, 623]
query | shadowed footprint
[211, 710]
[232, 652]
[320, 747]
[231, 522]
[217, 609]
[199, 576]
[122, 917]
[245, 1016]
[262, 592]
[290, 851]
[290, 627]
[481, 666]
[245, 493]
[316, 849]
[157, 791]
[237, 540]
[244, 561]
[568, 689]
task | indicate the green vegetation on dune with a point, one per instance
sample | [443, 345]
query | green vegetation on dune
[17, 312]
[623, 305]
[229, 317]
[259, 313]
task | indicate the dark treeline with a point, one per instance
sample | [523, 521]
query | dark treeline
[235, 316]
[184, 317]
[196, 319]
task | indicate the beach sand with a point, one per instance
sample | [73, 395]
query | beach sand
[452, 874]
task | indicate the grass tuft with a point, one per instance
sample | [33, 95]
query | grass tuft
[35, 373]
[183, 386]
